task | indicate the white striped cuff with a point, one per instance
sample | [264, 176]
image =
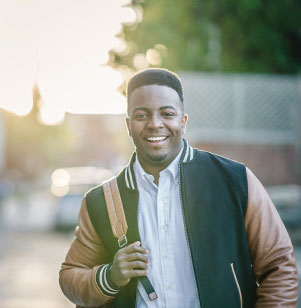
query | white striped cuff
[104, 281]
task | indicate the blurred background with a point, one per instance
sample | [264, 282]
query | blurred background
[63, 68]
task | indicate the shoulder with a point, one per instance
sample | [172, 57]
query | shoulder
[95, 196]
[222, 170]
[94, 193]
[218, 160]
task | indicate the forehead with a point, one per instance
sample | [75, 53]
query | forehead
[153, 96]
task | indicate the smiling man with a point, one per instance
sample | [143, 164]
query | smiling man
[201, 227]
[156, 123]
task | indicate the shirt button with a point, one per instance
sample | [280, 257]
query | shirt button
[169, 286]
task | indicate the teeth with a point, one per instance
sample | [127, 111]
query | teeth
[156, 138]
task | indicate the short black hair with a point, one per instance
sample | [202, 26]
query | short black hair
[151, 76]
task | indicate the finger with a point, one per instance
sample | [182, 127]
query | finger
[133, 248]
[136, 256]
[129, 247]
[138, 273]
[128, 274]
[136, 265]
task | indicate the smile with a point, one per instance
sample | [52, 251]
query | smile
[156, 139]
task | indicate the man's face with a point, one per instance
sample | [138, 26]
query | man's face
[156, 123]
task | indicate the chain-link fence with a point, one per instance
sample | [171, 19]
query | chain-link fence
[242, 108]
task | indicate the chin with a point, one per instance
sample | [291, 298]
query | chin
[157, 157]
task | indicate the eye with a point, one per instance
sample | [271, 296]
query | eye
[168, 114]
[140, 116]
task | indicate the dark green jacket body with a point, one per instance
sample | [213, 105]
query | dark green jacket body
[214, 196]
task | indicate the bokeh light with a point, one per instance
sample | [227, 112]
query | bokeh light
[60, 177]
[60, 191]
[140, 61]
[153, 57]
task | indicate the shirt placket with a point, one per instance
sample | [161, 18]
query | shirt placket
[165, 241]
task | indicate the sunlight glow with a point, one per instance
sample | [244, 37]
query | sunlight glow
[63, 45]
[51, 116]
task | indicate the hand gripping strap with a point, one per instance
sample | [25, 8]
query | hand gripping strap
[115, 211]
[119, 225]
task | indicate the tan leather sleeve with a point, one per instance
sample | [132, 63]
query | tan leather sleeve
[271, 250]
[78, 272]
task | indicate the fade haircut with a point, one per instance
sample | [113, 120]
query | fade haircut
[154, 76]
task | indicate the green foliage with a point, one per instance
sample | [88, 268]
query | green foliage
[220, 35]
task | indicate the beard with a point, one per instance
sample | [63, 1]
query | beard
[156, 158]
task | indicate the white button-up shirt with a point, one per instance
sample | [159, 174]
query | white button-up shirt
[162, 232]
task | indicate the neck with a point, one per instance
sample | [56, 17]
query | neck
[153, 170]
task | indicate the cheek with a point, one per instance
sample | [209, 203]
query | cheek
[134, 130]
[178, 128]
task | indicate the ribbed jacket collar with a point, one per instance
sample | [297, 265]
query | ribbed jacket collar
[130, 179]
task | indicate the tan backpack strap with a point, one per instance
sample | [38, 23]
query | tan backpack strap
[119, 225]
[115, 210]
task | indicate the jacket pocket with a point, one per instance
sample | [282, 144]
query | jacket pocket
[237, 284]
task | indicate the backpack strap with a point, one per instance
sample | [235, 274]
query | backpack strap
[119, 225]
[115, 211]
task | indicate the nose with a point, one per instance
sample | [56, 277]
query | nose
[155, 122]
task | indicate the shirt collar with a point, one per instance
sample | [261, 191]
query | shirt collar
[173, 168]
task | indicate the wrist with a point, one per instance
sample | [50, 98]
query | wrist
[104, 281]
[109, 279]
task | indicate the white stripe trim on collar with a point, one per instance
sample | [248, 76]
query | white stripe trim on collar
[128, 178]
[186, 154]
[191, 152]
[131, 177]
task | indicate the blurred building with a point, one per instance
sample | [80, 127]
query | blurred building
[100, 140]
[2, 143]
[255, 119]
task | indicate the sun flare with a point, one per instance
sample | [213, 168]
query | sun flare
[62, 46]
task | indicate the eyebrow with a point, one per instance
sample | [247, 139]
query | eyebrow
[147, 109]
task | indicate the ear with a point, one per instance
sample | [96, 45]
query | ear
[184, 123]
[128, 125]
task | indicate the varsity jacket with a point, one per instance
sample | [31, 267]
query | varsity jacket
[240, 251]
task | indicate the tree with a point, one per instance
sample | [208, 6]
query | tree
[222, 35]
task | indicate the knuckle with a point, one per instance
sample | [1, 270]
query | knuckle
[138, 273]
[119, 258]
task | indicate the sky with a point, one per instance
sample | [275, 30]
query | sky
[63, 47]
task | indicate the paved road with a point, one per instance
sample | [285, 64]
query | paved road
[29, 265]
